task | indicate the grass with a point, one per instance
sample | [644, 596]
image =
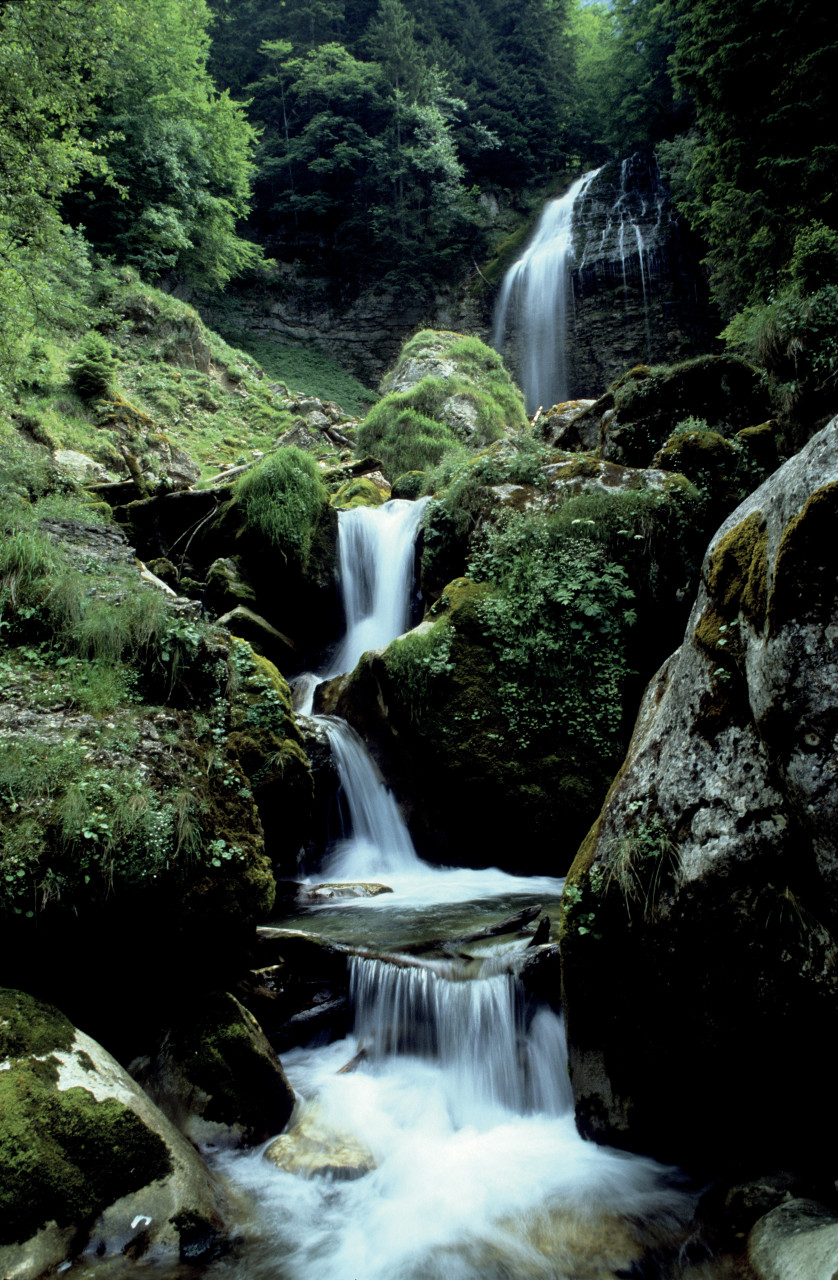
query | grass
[302, 366]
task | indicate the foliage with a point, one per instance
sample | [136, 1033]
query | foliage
[179, 154]
[558, 623]
[283, 498]
[417, 662]
[794, 336]
[91, 366]
[302, 366]
[760, 167]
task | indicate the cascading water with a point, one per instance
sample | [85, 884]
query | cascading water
[449, 1103]
[534, 301]
[375, 550]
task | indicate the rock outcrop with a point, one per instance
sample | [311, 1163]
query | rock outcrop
[700, 917]
[88, 1161]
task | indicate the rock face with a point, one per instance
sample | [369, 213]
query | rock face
[797, 1239]
[700, 915]
[639, 289]
[87, 1159]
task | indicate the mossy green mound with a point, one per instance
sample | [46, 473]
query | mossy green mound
[447, 391]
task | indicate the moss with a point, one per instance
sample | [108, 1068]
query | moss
[737, 575]
[28, 1026]
[804, 575]
[67, 1156]
[218, 1045]
[358, 492]
[584, 465]
[409, 485]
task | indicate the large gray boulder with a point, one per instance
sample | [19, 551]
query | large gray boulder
[700, 915]
[87, 1161]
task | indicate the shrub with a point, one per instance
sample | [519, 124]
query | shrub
[91, 366]
[282, 499]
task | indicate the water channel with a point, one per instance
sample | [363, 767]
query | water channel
[446, 1114]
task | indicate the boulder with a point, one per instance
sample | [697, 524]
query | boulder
[700, 916]
[88, 1161]
[797, 1239]
[645, 406]
[216, 1076]
[315, 1148]
[80, 467]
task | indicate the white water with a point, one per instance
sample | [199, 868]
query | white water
[375, 550]
[464, 1105]
[460, 1096]
[534, 301]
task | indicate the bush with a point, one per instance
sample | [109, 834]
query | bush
[91, 367]
[282, 498]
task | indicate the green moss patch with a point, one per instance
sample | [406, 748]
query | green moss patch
[65, 1156]
[28, 1026]
[804, 576]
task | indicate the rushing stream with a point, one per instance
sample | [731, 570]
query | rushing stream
[450, 1146]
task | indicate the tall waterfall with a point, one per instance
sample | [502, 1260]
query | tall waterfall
[534, 301]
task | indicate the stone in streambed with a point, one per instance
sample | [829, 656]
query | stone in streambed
[314, 1148]
[330, 891]
[216, 1076]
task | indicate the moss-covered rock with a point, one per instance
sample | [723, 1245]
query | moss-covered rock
[643, 408]
[700, 918]
[360, 491]
[87, 1160]
[216, 1077]
[446, 391]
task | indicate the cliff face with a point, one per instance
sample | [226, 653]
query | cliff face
[639, 291]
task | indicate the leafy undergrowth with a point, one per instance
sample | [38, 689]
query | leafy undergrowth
[302, 365]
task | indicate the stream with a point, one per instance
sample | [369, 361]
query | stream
[437, 1140]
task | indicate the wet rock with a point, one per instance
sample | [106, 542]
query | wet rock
[328, 892]
[259, 633]
[314, 1148]
[90, 1161]
[216, 1076]
[796, 1240]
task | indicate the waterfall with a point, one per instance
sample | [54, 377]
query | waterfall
[534, 301]
[380, 842]
[375, 558]
[474, 1027]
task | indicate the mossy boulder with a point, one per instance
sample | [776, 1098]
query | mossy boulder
[280, 528]
[86, 1159]
[643, 408]
[216, 1077]
[360, 491]
[700, 917]
[447, 390]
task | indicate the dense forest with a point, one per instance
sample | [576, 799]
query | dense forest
[201, 141]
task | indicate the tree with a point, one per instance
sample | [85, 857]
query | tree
[761, 166]
[179, 154]
[49, 77]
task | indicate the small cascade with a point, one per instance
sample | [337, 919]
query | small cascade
[375, 556]
[474, 1026]
[380, 842]
[375, 550]
[535, 300]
